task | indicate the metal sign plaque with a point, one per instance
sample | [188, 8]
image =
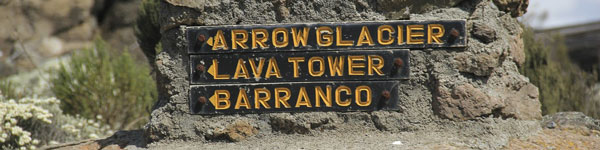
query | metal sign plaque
[365, 65]
[326, 36]
[294, 97]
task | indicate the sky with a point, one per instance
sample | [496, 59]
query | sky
[544, 14]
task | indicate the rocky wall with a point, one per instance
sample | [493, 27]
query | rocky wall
[477, 87]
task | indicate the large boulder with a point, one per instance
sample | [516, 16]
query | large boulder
[478, 86]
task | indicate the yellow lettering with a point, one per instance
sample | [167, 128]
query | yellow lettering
[295, 61]
[352, 65]
[220, 42]
[358, 91]
[261, 100]
[375, 67]
[435, 36]
[241, 70]
[338, 92]
[338, 38]
[400, 40]
[220, 99]
[300, 36]
[303, 98]
[272, 69]
[241, 42]
[385, 28]
[336, 66]
[282, 99]
[365, 37]
[285, 39]
[259, 40]
[311, 69]
[411, 34]
[326, 39]
[242, 100]
[215, 71]
[320, 95]
[257, 71]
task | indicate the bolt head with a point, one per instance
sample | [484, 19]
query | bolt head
[201, 38]
[398, 62]
[200, 68]
[202, 100]
[386, 94]
[454, 33]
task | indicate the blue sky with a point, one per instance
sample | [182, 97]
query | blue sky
[561, 13]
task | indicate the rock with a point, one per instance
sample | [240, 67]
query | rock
[458, 88]
[465, 102]
[573, 119]
[478, 64]
[483, 32]
[515, 7]
[238, 131]
[517, 49]
[523, 104]
[521, 98]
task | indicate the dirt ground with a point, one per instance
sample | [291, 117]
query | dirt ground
[558, 138]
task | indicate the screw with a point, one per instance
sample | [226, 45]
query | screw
[200, 67]
[398, 62]
[201, 38]
[386, 94]
[454, 33]
[202, 100]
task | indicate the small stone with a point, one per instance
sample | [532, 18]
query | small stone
[551, 125]
[240, 130]
[483, 32]
[516, 8]
[465, 102]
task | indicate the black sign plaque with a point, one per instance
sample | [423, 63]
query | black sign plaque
[326, 36]
[367, 65]
[294, 97]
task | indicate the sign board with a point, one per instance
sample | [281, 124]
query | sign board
[294, 97]
[326, 36]
[299, 66]
[343, 66]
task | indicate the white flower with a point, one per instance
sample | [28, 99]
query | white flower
[35, 142]
[13, 121]
[90, 121]
[32, 147]
[93, 136]
[4, 135]
[99, 117]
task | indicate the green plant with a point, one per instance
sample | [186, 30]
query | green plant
[563, 85]
[7, 89]
[98, 81]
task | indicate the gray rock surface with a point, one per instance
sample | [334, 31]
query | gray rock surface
[473, 97]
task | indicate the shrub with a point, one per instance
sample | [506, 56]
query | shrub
[563, 85]
[98, 81]
[7, 89]
[28, 123]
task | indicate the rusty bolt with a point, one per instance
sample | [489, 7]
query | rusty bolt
[201, 38]
[202, 100]
[398, 62]
[386, 94]
[454, 33]
[200, 67]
